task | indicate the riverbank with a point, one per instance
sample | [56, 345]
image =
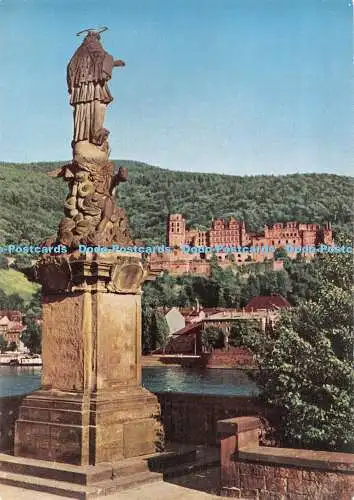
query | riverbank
[20, 359]
[214, 361]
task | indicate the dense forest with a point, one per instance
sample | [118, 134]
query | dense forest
[31, 202]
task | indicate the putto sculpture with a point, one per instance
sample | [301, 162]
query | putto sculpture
[91, 216]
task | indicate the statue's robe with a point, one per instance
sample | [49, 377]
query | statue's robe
[87, 74]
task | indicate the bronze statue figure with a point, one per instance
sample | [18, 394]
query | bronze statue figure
[88, 72]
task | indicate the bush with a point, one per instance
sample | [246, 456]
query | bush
[3, 344]
[306, 370]
[12, 346]
[212, 338]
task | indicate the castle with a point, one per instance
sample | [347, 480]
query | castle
[233, 233]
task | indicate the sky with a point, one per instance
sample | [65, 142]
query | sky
[239, 87]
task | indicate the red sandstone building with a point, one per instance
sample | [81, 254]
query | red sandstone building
[11, 327]
[232, 233]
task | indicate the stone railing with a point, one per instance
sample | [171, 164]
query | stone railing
[187, 418]
[192, 418]
[264, 473]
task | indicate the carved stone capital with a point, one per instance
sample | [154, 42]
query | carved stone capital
[111, 272]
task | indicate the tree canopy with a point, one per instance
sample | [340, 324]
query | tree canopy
[31, 203]
[306, 368]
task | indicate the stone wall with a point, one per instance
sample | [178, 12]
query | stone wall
[187, 418]
[233, 357]
[9, 407]
[260, 473]
[192, 418]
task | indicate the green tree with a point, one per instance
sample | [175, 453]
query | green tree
[34, 308]
[3, 344]
[160, 330]
[154, 192]
[23, 261]
[251, 288]
[12, 346]
[280, 254]
[146, 332]
[306, 369]
[32, 337]
[3, 262]
[14, 301]
[212, 338]
[245, 333]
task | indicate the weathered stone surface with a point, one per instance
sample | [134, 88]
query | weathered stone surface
[116, 356]
[275, 484]
[139, 437]
[87, 155]
[107, 272]
[87, 429]
[63, 342]
[255, 470]
[91, 407]
[253, 494]
[268, 495]
[248, 482]
[230, 474]
[230, 492]
[282, 474]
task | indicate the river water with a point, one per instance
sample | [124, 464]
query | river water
[21, 380]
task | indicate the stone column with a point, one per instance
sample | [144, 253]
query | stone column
[91, 407]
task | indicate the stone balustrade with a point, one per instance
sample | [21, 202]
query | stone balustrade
[193, 418]
[187, 418]
[265, 473]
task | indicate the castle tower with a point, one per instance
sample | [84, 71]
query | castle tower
[243, 234]
[327, 234]
[176, 230]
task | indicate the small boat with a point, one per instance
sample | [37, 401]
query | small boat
[28, 360]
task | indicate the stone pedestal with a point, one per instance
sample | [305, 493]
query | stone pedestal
[91, 407]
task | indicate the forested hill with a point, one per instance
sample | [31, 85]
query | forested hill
[31, 203]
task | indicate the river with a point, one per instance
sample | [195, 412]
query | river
[21, 380]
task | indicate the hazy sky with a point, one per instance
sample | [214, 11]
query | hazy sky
[229, 86]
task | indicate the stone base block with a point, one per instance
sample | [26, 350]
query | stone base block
[84, 429]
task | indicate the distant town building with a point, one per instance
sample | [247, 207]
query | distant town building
[264, 310]
[267, 303]
[11, 326]
[175, 320]
[232, 233]
[13, 315]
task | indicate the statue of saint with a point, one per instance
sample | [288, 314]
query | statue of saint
[91, 215]
[88, 72]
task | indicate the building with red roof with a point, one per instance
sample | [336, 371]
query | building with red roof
[267, 303]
